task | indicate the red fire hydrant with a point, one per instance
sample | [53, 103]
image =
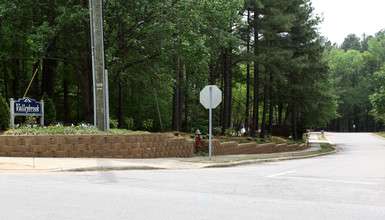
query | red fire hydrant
[198, 140]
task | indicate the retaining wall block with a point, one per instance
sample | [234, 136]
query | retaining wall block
[6, 148]
[32, 141]
[58, 139]
[74, 154]
[104, 146]
[110, 139]
[123, 152]
[143, 145]
[293, 147]
[84, 139]
[146, 138]
[281, 147]
[66, 147]
[130, 139]
[72, 139]
[303, 146]
[120, 139]
[30, 154]
[38, 148]
[46, 154]
[53, 148]
[97, 139]
[60, 154]
[87, 153]
[16, 154]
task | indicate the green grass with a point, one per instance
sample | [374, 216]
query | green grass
[380, 134]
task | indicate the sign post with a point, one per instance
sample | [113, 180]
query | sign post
[26, 107]
[210, 97]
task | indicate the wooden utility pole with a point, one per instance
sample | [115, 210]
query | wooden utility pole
[96, 21]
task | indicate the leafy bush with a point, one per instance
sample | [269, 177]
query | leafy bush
[55, 129]
[207, 136]
[31, 120]
[230, 132]
[83, 128]
[49, 110]
[114, 123]
[5, 114]
[148, 124]
[217, 131]
[129, 122]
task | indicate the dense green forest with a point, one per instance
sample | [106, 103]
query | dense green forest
[277, 74]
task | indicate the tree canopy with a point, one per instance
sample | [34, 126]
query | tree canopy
[277, 74]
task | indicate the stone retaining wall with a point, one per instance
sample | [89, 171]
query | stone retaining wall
[233, 148]
[100, 146]
[124, 146]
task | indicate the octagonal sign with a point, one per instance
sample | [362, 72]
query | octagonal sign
[204, 96]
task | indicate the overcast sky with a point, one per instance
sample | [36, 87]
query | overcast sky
[344, 17]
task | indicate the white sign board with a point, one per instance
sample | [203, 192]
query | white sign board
[204, 96]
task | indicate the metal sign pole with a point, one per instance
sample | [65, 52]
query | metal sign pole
[42, 113]
[12, 113]
[210, 97]
[210, 120]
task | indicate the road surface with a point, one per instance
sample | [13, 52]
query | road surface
[346, 185]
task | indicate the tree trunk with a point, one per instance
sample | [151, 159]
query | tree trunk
[16, 75]
[35, 84]
[7, 82]
[66, 117]
[247, 113]
[271, 102]
[230, 87]
[265, 93]
[255, 121]
[48, 74]
[86, 90]
[186, 99]
[121, 106]
[180, 101]
[294, 121]
[280, 111]
[175, 112]
[226, 101]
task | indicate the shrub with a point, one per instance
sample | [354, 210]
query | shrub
[230, 132]
[49, 110]
[5, 114]
[31, 120]
[114, 123]
[129, 122]
[217, 131]
[148, 124]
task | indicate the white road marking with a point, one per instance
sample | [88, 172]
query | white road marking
[280, 174]
[329, 180]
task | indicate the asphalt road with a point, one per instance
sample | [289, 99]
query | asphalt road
[346, 185]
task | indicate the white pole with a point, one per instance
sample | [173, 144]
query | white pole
[42, 113]
[210, 120]
[11, 107]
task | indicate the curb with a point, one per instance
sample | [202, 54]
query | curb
[246, 162]
[87, 169]
[219, 165]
